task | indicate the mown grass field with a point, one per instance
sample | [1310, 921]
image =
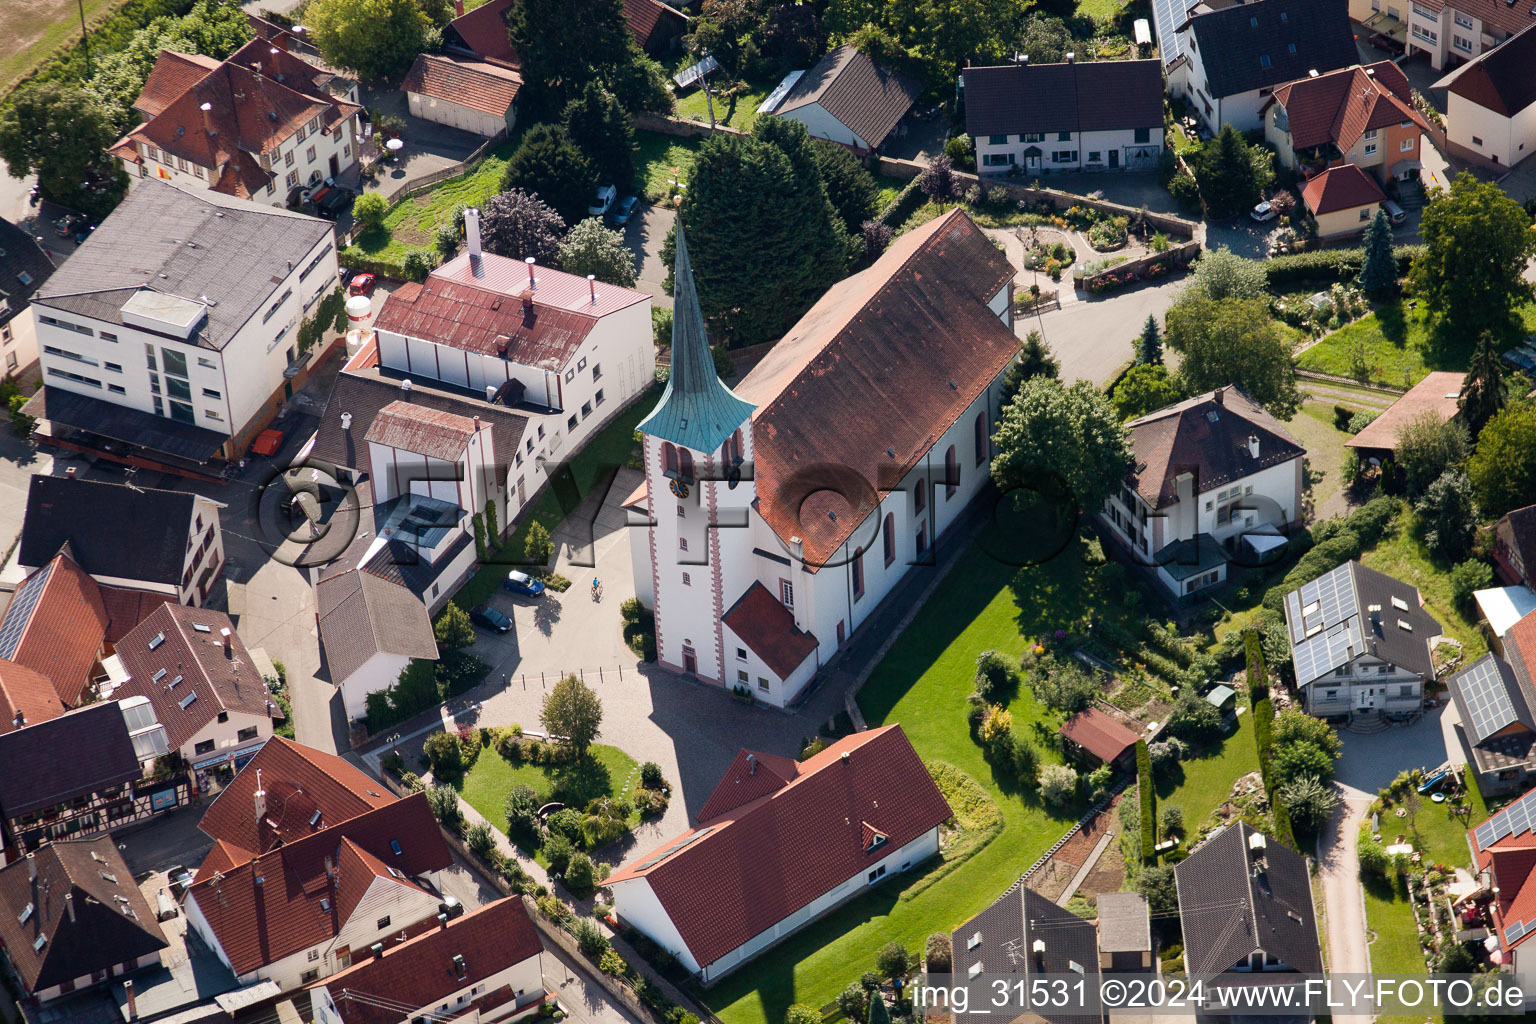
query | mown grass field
[34, 29]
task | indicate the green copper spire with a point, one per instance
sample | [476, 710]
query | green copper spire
[697, 410]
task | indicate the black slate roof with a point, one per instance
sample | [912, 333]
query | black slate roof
[133, 533]
[1250, 46]
[1232, 903]
[1001, 938]
[24, 267]
[41, 765]
[1089, 96]
[130, 426]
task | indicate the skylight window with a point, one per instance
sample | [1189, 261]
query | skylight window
[157, 640]
[1399, 604]
[394, 845]
[1405, 625]
[325, 906]
[26, 913]
[199, 627]
[973, 941]
[186, 701]
[108, 876]
[39, 943]
[159, 675]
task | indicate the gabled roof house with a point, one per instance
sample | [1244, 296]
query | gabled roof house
[1027, 935]
[1362, 115]
[1495, 700]
[818, 833]
[846, 98]
[1503, 852]
[1490, 116]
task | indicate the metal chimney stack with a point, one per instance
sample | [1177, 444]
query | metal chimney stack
[472, 233]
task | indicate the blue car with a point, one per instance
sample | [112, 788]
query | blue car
[490, 618]
[622, 211]
[522, 583]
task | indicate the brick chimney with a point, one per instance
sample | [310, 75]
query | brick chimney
[133, 1006]
[260, 798]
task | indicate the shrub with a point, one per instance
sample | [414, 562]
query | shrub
[446, 240]
[369, 210]
[1372, 856]
[1467, 577]
[590, 938]
[894, 961]
[650, 776]
[567, 822]
[632, 610]
[481, 840]
[650, 802]
[555, 909]
[417, 264]
[1024, 760]
[1058, 785]
[811, 749]
[1194, 718]
[1165, 754]
[997, 724]
[1360, 420]
[612, 964]
[1148, 801]
[853, 1002]
[994, 675]
[443, 755]
[938, 953]
[580, 875]
[558, 850]
[445, 807]
[1329, 264]
[1173, 820]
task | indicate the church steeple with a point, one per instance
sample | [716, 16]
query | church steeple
[697, 410]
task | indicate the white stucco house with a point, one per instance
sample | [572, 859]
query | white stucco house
[1450, 31]
[815, 833]
[171, 333]
[1034, 118]
[846, 98]
[1216, 479]
[878, 406]
[1490, 113]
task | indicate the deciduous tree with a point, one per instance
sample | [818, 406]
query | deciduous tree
[1448, 515]
[549, 164]
[1145, 387]
[573, 712]
[375, 38]
[1426, 447]
[1070, 434]
[517, 225]
[1233, 342]
[591, 248]
[1476, 244]
[1503, 468]
[1222, 274]
[61, 132]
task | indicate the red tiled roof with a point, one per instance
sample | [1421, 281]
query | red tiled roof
[127, 608]
[1341, 106]
[478, 85]
[60, 629]
[1439, 392]
[1340, 188]
[190, 662]
[484, 30]
[221, 857]
[644, 15]
[800, 841]
[299, 781]
[173, 74]
[1099, 734]
[416, 428]
[753, 774]
[493, 312]
[28, 693]
[258, 924]
[885, 362]
[768, 628]
[420, 971]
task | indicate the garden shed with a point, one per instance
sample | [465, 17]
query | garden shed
[1098, 738]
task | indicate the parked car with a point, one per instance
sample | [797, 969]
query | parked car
[606, 194]
[362, 284]
[451, 907]
[1264, 212]
[623, 210]
[336, 201]
[522, 583]
[490, 618]
[1394, 212]
[344, 275]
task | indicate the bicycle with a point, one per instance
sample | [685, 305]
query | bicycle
[597, 591]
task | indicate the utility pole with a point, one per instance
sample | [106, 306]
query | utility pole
[709, 100]
[85, 38]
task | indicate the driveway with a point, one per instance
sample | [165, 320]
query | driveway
[1094, 336]
[1343, 897]
[1372, 761]
[428, 146]
[644, 234]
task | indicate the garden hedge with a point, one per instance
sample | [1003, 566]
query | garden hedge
[1148, 802]
[903, 206]
[1329, 264]
[1263, 733]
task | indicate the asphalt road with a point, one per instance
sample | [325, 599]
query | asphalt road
[1093, 336]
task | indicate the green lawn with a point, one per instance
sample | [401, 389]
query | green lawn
[737, 111]
[985, 602]
[659, 158]
[1103, 12]
[1396, 949]
[607, 450]
[1442, 835]
[1395, 345]
[1400, 554]
[413, 222]
[1204, 781]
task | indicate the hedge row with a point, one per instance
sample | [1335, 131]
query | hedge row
[1329, 264]
[904, 205]
[1148, 802]
[1263, 733]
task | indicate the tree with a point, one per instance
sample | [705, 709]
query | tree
[853, 1001]
[1448, 515]
[1225, 171]
[1064, 686]
[599, 125]
[1484, 391]
[1144, 388]
[1149, 347]
[549, 164]
[1456, 959]
[453, 628]
[875, 236]
[1467, 578]
[369, 210]
[1156, 884]
[878, 1012]
[591, 248]
[1292, 761]
[1045, 39]
[851, 188]
[1034, 360]
[745, 187]
[537, 547]
[937, 180]
[517, 224]
[1427, 447]
[375, 38]
[938, 953]
[1503, 468]
[61, 132]
[522, 811]
[794, 139]
[574, 712]
[1295, 726]
[1193, 718]
[1222, 274]
[1173, 820]
[894, 961]
[726, 30]
[1068, 434]
[444, 801]
[947, 33]
[1476, 244]
[1058, 785]
[1233, 342]
[792, 35]
[580, 875]
[1310, 802]
[1378, 271]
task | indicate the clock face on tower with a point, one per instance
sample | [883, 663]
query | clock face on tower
[679, 488]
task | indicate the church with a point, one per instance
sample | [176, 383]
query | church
[776, 516]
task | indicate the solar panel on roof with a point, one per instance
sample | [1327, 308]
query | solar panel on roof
[1168, 15]
[1484, 835]
[1488, 702]
[1515, 932]
[20, 611]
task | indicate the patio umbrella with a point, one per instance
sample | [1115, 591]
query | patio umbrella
[394, 145]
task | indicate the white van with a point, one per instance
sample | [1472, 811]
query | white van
[1394, 212]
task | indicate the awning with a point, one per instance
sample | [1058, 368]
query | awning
[128, 428]
[235, 757]
[1403, 166]
[1264, 542]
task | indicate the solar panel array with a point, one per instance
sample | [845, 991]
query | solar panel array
[1168, 15]
[1324, 619]
[1486, 697]
[1516, 819]
[20, 611]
